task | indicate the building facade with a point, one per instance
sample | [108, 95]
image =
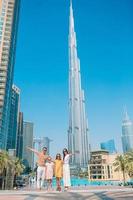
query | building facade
[9, 16]
[127, 133]
[13, 118]
[19, 150]
[78, 123]
[27, 142]
[109, 146]
[101, 166]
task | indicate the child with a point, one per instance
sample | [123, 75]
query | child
[58, 170]
[49, 172]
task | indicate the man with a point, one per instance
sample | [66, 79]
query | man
[42, 157]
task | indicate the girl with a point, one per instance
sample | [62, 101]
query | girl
[58, 171]
[49, 172]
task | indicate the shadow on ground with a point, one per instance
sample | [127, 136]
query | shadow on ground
[69, 196]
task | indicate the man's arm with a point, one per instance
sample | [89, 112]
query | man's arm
[33, 150]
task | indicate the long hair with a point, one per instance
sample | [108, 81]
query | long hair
[65, 150]
[58, 155]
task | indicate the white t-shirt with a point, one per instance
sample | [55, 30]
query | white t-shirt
[66, 159]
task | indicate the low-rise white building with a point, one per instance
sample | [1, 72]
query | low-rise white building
[101, 166]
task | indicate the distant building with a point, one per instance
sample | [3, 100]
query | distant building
[9, 17]
[27, 142]
[127, 133]
[20, 136]
[13, 118]
[109, 146]
[12, 152]
[39, 143]
[101, 166]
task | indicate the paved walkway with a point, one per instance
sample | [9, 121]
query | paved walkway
[90, 193]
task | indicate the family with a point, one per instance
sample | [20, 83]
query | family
[47, 168]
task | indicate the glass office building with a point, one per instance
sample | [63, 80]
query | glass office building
[109, 146]
[127, 133]
[9, 15]
[13, 118]
[19, 150]
[28, 142]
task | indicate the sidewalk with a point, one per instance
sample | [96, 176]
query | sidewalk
[87, 189]
[74, 193]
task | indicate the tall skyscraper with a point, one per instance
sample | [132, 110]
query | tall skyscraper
[78, 123]
[127, 133]
[19, 150]
[13, 118]
[109, 146]
[27, 142]
[9, 15]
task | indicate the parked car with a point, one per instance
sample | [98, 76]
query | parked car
[19, 182]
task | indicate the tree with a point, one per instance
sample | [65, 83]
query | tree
[121, 165]
[10, 167]
[129, 158]
[4, 163]
[18, 166]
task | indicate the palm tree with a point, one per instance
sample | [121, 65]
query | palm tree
[18, 166]
[10, 167]
[17, 169]
[4, 163]
[129, 157]
[121, 165]
[13, 170]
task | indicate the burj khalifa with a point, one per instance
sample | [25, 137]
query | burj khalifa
[78, 124]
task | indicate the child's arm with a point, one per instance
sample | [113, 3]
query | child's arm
[62, 167]
[54, 166]
[46, 158]
[45, 170]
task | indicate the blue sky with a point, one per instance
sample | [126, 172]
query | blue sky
[105, 48]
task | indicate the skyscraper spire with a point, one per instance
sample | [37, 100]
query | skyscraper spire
[78, 125]
[72, 34]
[126, 116]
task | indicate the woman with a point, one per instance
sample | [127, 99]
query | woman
[66, 169]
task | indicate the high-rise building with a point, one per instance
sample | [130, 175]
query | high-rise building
[109, 146]
[28, 142]
[13, 118]
[127, 133]
[9, 15]
[19, 150]
[78, 123]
